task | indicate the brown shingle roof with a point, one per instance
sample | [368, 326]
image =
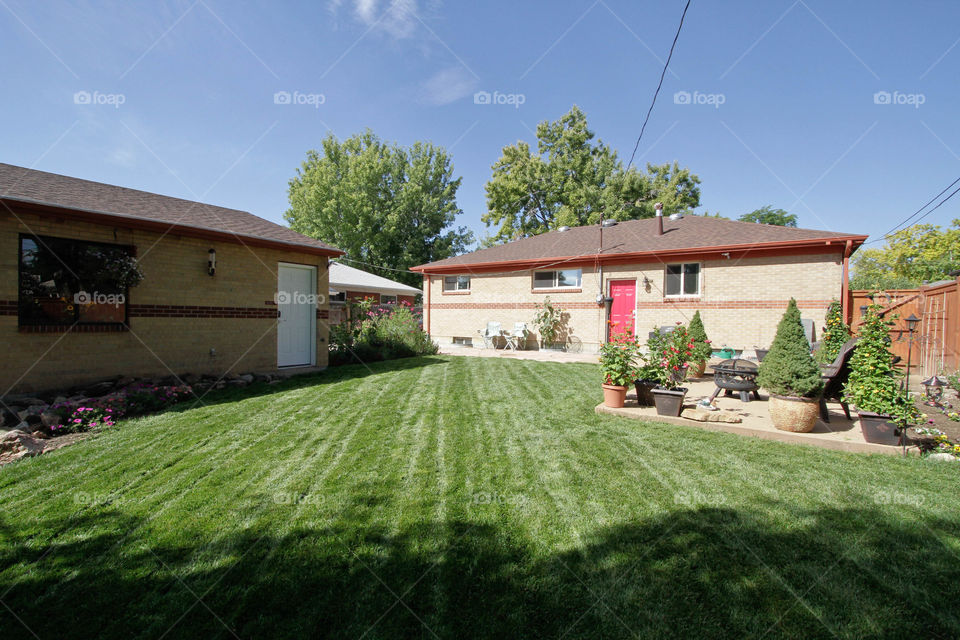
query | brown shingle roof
[39, 187]
[640, 237]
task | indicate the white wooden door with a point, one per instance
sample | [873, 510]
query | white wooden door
[296, 325]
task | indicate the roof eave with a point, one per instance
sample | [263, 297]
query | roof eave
[146, 224]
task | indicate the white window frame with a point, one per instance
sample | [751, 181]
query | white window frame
[383, 299]
[456, 281]
[556, 278]
[683, 280]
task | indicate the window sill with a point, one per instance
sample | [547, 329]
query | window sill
[558, 290]
[454, 293]
[73, 328]
[684, 298]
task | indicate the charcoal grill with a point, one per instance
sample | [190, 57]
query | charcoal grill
[735, 375]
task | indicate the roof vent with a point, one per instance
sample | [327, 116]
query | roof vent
[609, 223]
[564, 228]
[676, 216]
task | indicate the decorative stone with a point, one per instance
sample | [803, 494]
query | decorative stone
[50, 418]
[703, 415]
[247, 378]
[16, 444]
[942, 457]
[98, 389]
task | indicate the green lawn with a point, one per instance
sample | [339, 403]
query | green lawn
[467, 497]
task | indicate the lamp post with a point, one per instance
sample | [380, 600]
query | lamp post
[912, 322]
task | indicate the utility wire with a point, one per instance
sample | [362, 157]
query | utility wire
[659, 84]
[914, 214]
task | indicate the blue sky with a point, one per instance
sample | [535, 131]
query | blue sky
[782, 105]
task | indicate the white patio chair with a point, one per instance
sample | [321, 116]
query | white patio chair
[490, 334]
[517, 338]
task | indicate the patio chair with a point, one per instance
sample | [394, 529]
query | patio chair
[835, 377]
[490, 334]
[517, 338]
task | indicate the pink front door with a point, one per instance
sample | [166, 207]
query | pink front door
[624, 294]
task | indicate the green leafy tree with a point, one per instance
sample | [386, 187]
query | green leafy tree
[698, 335]
[573, 179]
[789, 369]
[768, 215]
[923, 252]
[383, 204]
[835, 334]
[874, 383]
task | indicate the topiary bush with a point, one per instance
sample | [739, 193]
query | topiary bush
[789, 369]
[698, 335]
[835, 334]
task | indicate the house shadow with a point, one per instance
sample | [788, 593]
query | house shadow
[315, 570]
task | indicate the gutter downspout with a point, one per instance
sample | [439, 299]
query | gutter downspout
[845, 290]
[427, 282]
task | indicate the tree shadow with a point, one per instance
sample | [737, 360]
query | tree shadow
[695, 572]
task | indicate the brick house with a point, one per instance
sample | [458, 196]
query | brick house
[222, 290]
[349, 284]
[643, 273]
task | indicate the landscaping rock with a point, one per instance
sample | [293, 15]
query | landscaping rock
[942, 457]
[33, 419]
[50, 419]
[9, 417]
[702, 415]
[248, 378]
[237, 383]
[98, 389]
[17, 444]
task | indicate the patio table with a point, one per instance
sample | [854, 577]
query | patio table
[736, 375]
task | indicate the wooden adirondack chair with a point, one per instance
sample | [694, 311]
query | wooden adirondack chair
[835, 377]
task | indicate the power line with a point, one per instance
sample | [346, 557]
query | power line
[659, 84]
[911, 216]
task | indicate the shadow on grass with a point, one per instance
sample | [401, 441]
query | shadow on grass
[706, 573]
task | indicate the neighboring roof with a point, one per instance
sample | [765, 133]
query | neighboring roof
[347, 278]
[100, 201]
[638, 239]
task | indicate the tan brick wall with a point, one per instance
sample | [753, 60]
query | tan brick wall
[741, 301]
[174, 274]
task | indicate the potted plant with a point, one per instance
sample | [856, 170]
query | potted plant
[675, 351]
[618, 367]
[548, 319]
[648, 373]
[701, 347]
[792, 376]
[835, 334]
[874, 384]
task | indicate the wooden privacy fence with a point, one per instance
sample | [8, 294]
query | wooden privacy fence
[936, 343]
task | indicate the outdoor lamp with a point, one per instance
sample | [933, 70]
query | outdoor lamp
[599, 299]
[608, 302]
[212, 261]
[912, 323]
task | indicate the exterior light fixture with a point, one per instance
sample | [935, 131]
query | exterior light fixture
[912, 323]
[933, 390]
[212, 261]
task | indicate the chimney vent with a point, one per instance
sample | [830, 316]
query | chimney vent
[659, 209]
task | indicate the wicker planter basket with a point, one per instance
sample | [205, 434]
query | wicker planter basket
[789, 413]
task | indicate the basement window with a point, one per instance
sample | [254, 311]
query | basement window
[560, 279]
[65, 282]
[682, 279]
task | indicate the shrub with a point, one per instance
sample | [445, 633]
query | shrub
[701, 344]
[874, 383]
[789, 369]
[835, 334]
[382, 333]
[618, 359]
[548, 320]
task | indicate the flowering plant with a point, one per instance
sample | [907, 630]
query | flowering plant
[618, 359]
[669, 355]
[835, 334]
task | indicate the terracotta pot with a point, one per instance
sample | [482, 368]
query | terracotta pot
[878, 429]
[789, 413]
[696, 369]
[614, 395]
[644, 392]
[669, 402]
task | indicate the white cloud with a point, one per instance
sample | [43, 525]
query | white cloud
[398, 18]
[446, 86]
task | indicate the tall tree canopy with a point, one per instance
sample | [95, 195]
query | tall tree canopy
[383, 204]
[572, 179]
[923, 252]
[768, 215]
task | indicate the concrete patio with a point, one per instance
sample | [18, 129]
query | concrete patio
[839, 434]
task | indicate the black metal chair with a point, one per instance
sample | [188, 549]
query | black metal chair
[835, 377]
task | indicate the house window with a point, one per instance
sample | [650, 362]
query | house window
[682, 279]
[66, 282]
[340, 297]
[385, 299]
[561, 279]
[456, 283]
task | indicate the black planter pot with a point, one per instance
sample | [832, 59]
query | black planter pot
[644, 392]
[879, 429]
[761, 354]
[669, 402]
